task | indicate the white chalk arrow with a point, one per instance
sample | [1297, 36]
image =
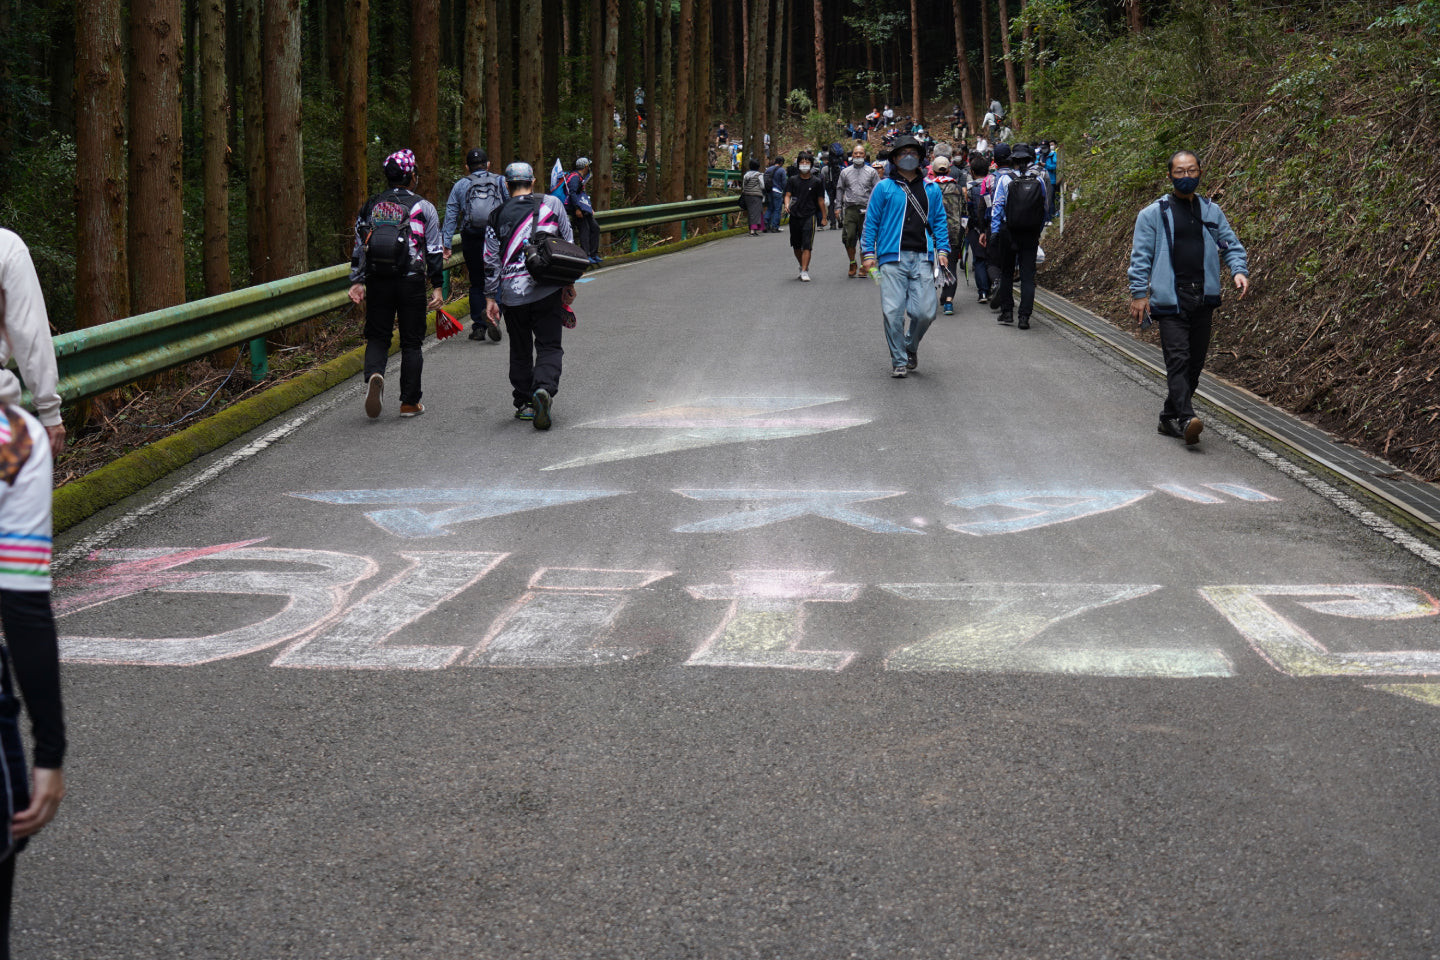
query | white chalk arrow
[714, 422]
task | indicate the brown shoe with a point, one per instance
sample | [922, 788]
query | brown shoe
[411, 409]
[852, 268]
[1193, 426]
[374, 393]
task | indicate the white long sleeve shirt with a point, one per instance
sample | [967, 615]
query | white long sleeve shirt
[27, 332]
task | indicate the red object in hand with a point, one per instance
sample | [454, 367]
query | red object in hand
[446, 325]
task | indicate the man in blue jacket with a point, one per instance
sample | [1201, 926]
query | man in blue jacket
[905, 233]
[1175, 276]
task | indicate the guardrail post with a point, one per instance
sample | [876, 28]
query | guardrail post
[259, 362]
[683, 234]
[445, 285]
[725, 221]
[634, 241]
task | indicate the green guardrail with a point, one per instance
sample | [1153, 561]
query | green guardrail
[104, 357]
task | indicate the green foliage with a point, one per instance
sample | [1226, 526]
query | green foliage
[877, 22]
[41, 210]
[799, 102]
[821, 129]
[1422, 15]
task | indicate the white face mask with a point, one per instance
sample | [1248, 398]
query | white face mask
[804, 168]
[858, 161]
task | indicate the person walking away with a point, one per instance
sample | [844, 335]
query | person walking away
[905, 234]
[577, 204]
[777, 195]
[976, 234]
[752, 191]
[833, 168]
[1020, 212]
[534, 314]
[1174, 275]
[397, 245]
[30, 647]
[852, 196]
[994, 243]
[473, 198]
[1052, 175]
[953, 196]
[805, 202]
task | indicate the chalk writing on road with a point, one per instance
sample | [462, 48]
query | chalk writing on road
[1015, 511]
[773, 506]
[712, 422]
[571, 616]
[472, 503]
[994, 624]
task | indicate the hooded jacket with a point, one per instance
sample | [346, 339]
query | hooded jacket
[885, 222]
[1152, 273]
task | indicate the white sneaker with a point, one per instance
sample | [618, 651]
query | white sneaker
[805, 275]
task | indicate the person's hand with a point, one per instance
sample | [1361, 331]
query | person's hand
[1138, 308]
[1242, 283]
[57, 439]
[437, 299]
[492, 311]
[47, 789]
[447, 253]
[868, 263]
[984, 238]
[944, 259]
[567, 295]
[357, 293]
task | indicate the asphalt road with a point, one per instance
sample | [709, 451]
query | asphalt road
[757, 653]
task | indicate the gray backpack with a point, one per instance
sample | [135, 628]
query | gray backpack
[484, 195]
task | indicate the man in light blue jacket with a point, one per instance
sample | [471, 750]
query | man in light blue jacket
[1175, 276]
[905, 233]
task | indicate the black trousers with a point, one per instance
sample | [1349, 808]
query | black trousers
[388, 302]
[1184, 339]
[535, 349]
[472, 246]
[980, 264]
[587, 233]
[1015, 247]
[947, 293]
[7, 893]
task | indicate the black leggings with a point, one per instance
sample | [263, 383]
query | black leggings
[7, 890]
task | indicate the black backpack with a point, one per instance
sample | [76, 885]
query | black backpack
[1025, 203]
[482, 197]
[388, 237]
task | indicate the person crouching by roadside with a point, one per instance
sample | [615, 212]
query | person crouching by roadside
[1174, 275]
[397, 245]
[534, 315]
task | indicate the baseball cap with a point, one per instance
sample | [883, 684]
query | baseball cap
[582, 162]
[941, 162]
[477, 157]
[519, 173]
[1002, 152]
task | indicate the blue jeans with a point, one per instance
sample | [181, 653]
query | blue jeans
[772, 217]
[907, 285]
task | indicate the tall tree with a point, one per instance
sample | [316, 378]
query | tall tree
[755, 121]
[425, 88]
[916, 94]
[599, 118]
[776, 49]
[1134, 17]
[1011, 87]
[967, 91]
[157, 234]
[215, 105]
[652, 163]
[987, 65]
[354, 178]
[1029, 54]
[629, 80]
[684, 70]
[334, 11]
[256, 237]
[505, 56]
[821, 94]
[666, 106]
[102, 291]
[732, 9]
[530, 111]
[699, 152]
[493, 110]
[472, 63]
[605, 156]
[284, 174]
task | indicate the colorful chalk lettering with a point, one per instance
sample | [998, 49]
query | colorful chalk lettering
[475, 503]
[765, 624]
[1289, 648]
[791, 505]
[566, 619]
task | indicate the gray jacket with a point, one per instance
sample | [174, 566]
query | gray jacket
[455, 206]
[1151, 272]
[507, 282]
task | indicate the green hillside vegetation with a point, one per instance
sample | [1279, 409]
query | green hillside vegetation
[1317, 131]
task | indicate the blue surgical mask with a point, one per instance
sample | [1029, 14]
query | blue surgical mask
[908, 162]
[1185, 185]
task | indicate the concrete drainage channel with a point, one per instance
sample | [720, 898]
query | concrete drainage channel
[1416, 501]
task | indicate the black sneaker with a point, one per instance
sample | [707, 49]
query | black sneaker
[492, 330]
[911, 361]
[1170, 427]
[1005, 317]
[983, 297]
[1192, 429]
[1024, 323]
[477, 334]
[542, 410]
[526, 412]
